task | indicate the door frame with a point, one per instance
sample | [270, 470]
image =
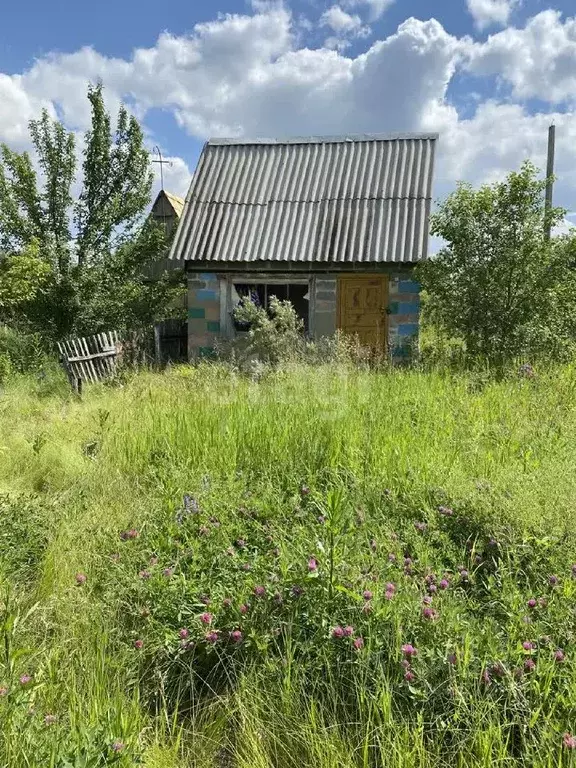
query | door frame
[359, 276]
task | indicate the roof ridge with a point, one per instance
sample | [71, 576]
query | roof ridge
[336, 139]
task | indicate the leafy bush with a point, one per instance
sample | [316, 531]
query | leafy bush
[21, 352]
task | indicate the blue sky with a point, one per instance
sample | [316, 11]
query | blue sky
[489, 75]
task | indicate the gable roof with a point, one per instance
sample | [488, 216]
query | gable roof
[167, 204]
[334, 199]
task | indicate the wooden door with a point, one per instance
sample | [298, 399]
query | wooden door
[362, 303]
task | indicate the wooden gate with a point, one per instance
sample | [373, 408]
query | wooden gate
[90, 359]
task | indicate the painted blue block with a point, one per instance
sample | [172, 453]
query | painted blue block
[205, 294]
[407, 329]
[408, 286]
[408, 307]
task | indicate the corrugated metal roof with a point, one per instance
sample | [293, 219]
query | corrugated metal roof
[316, 199]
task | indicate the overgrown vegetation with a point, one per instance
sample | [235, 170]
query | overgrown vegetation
[324, 567]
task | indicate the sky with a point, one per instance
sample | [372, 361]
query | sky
[489, 76]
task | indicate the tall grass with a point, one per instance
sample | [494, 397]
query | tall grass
[380, 450]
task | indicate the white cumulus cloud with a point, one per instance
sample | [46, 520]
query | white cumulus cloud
[490, 12]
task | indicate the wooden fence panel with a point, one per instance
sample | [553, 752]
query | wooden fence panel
[90, 359]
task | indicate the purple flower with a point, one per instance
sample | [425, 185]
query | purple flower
[407, 562]
[559, 655]
[446, 511]
[391, 557]
[389, 594]
[144, 575]
[168, 572]
[405, 664]
[408, 650]
[236, 636]
[553, 581]
[527, 645]
[430, 614]
[430, 579]
[80, 579]
[531, 603]
[117, 746]
[348, 631]
[367, 595]
[213, 636]
[259, 591]
[444, 584]
[485, 677]
[427, 600]
[409, 676]
[25, 679]
[138, 644]
[569, 741]
[421, 527]
[358, 643]
[390, 587]
[338, 632]
[433, 589]
[452, 659]
[529, 665]
[464, 574]
[50, 719]
[312, 565]
[183, 634]
[206, 618]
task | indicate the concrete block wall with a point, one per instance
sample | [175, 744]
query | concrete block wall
[403, 314]
[203, 313]
[324, 306]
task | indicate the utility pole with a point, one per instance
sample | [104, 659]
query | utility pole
[549, 182]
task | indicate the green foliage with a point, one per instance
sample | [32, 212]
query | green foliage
[498, 284]
[357, 470]
[273, 335]
[54, 285]
[23, 352]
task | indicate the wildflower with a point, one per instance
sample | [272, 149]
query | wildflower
[527, 645]
[115, 557]
[444, 584]
[389, 594]
[338, 632]
[529, 665]
[553, 581]
[477, 559]
[259, 591]
[321, 519]
[367, 595]
[153, 561]
[348, 631]
[213, 636]
[367, 607]
[407, 562]
[278, 598]
[81, 579]
[244, 608]
[446, 511]
[485, 677]
[430, 579]
[117, 746]
[464, 574]
[542, 602]
[430, 614]
[144, 575]
[129, 535]
[409, 676]
[391, 557]
[236, 636]
[227, 602]
[145, 612]
[518, 673]
[405, 664]
[408, 650]
[427, 600]
[312, 565]
[531, 603]
[205, 600]
[138, 644]
[168, 572]
[246, 567]
[276, 552]
[373, 545]
[3, 691]
[358, 643]
[498, 669]
[433, 589]
[204, 530]
[527, 371]
[183, 634]
[569, 741]
[25, 679]
[190, 504]
[390, 587]
[297, 591]
[215, 522]
[559, 655]
[452, 659]
[304, 490]
[50, 719]
[420, 527]
[206, 618]
[240, 543]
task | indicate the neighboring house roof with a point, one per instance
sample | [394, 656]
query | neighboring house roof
[167, 205]
[318, 199]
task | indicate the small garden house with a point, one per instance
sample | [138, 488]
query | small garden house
[334, 224]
